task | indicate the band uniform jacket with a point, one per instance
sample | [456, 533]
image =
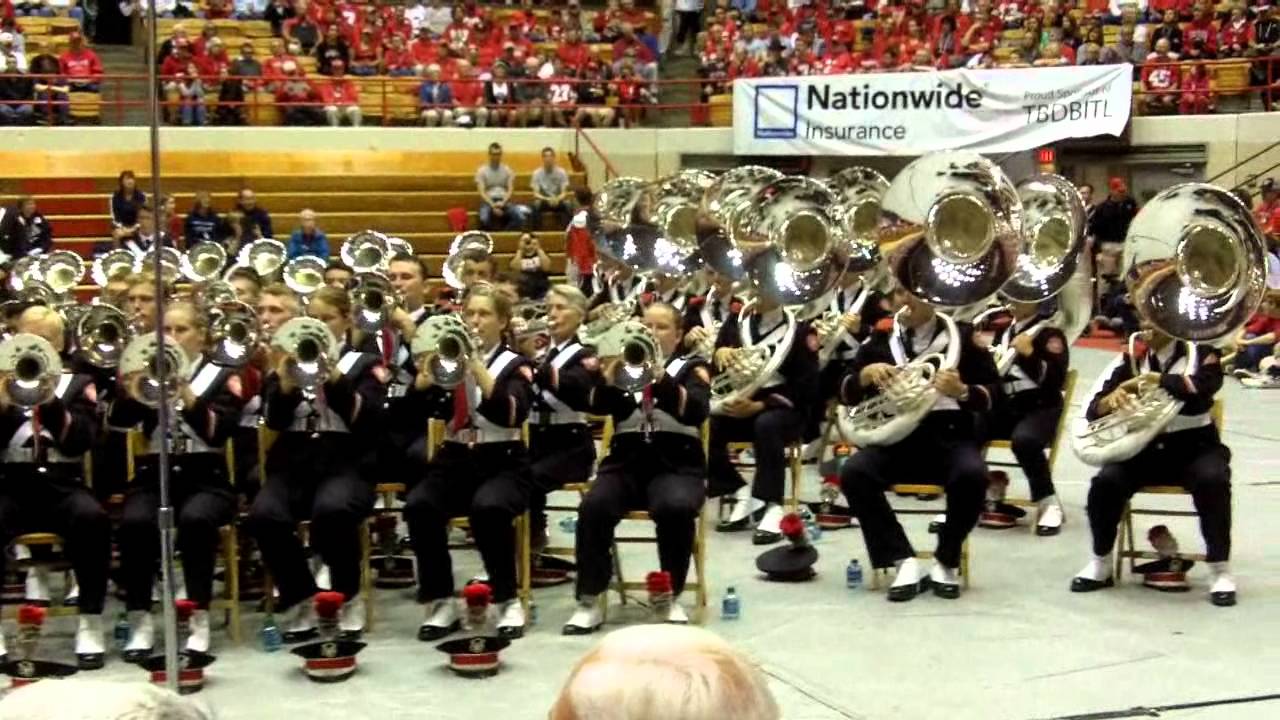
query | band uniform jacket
[350, 404]
[1036, 380]
[507, 406]
[205, 426]
[976, 366]
[681, 396]
[67, 424]
[798, 374]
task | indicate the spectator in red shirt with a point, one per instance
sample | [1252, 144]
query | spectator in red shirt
[366, 54]
[80, 65]
[1257, 339]
[646, 65]
[572, 51]
[297, 96]
[423, 50]
[983, 35]
[458, 35]
[396, 60]
[1202, 28]
[838, 60]
[1161, 79]
[1196, 96]
[1236, 35]
[272, 68]
[468, 97]
[341, 97]
[1157, 9]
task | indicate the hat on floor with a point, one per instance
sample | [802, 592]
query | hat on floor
[329, 659]
[26, 669]
[1169, 572]
[191, 667]
[475, 657]
[794, 561]
[827, 512]
[549, 570]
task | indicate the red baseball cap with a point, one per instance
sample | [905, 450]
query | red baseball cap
[1117, 185]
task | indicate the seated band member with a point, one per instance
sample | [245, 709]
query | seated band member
[1188, 453]
[666, 289]
[276, 305]
[202, 498]
[481, 471]
[42, 484]
[707, 313]
[615, 282]
[655, 462]
[561, 449]
[944, 449]
[1028, 411]
[770, 419]
[855, 327]
[313, 473]
[402, 446]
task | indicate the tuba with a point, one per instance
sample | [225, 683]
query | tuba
[203, 261]
[305, 274]
[450, 343]
[30, 370]
[146, 366]
[1195, 266]
[101, 334]
[112, 264]
[365, 251]
[61, 271]
[264, 256]
[373, 299]
[311, 348]
[234, 332]
[471, 245]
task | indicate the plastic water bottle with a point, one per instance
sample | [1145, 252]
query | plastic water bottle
[811, 526]
[569, 524]
[271, 639]
[731, 606]
[853, 575]
[120, 633]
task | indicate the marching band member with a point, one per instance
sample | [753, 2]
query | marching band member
[705, 313]
[276, 305]
[945, 446]
[1189, 452]
[247, 284]
[43, 486]
[313, 472]
[1028, 411]
[561, 448]
[615, 282]
[855, 327]
[669, 290]
[480, 471]
[771, 419]
[403, 446]
[655, 462]
[203, 501]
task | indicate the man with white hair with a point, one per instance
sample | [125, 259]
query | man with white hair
[664, 672]
[79, 699]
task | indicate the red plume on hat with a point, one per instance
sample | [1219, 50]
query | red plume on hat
[184, 608]
[31, 615]
[658, 581]
[477, 595]
[792, 528]
[328, 604]
[735, 307]
[697, 301]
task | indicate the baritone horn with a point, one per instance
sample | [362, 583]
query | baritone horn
[449, 343]
[203, 261]
[114, 263]
[101, 334]
[311, 349]
[365, 251]
[264, 256]
[61, 271]
[305, 274]
[29, 370]
[147, 366]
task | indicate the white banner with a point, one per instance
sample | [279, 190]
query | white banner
[920, 112]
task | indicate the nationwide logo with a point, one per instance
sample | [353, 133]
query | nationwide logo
[776, 112]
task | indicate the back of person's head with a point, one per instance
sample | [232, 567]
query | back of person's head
[76, 699]
[664, 672]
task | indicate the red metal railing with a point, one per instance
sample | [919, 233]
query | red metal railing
[581, 135]
[397, 97]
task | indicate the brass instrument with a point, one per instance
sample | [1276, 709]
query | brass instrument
[29, 370]
[398, 246]
[750, 368]
[101, 334]
[1195, 265]
[234, 333]
[471, 245]
[264, 256]
[641, 357]
[305, 274]
[25, 269]
[365, 251]
[146, 366]
[203, 261]
[61, 271]
[111, 264]
[861, 190]
[311, 348]
[450, 343]
[214, 294]
[170, 262]
[373, 299]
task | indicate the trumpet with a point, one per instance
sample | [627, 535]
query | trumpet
[203, 262]
[233, 334]
[61, 271]
[149, 368]
[373, 299]
[29, 370]
[641, 358]
[450, 343]
[112, 264]
[311, 348]
[305, 275]
[366, 251]
[264, 256]
[101, 334]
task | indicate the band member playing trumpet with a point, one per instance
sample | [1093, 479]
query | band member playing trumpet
[773, 417]
[944, 448]
[276, 304]
[43, 487]
[561, 448]
[481, 471]
[313, 472]
[1028, 410]
[655, 462]
[1189, 452]
[208, 410]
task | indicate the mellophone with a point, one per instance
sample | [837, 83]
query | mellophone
[861, 295]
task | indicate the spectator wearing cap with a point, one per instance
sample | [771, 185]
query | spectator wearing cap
[495, 183]
[435, 99]
[307, 239]
[80, 65]
[341, 97]
[1109, 225]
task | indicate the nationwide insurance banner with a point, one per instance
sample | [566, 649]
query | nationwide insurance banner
[920, 112]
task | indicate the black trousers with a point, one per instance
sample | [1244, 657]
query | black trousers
[314, 479]
[248, 480]
[487, 484]
[109, 462]
[40, 503]
[770, 432]
[688, 25]
[203, 503]
[938, 453]
[559, 454]
[666, 482]
[1030, 432]
[828, 387]
[1201, 464]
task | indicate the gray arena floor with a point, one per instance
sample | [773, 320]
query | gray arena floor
[1017, 645]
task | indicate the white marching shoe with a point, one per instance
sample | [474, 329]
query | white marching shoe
[91, 647]
[1051, 517]
[142, 636]
[587, 617]
[769, 531]
[1222, 591]
[198, 629]
[745, 511]
[442, 619]
[4, 652]
[300, 622]
[320, 572]
[1094, 576]
[909, 581]
[676, 614]
[351, 619]
[73, 594]
[511, 619]
[945, 581]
